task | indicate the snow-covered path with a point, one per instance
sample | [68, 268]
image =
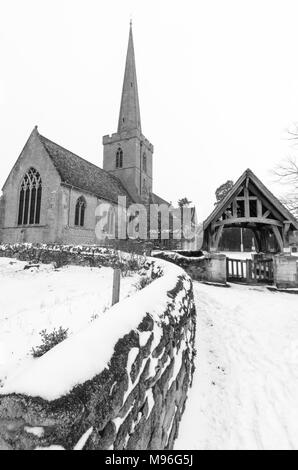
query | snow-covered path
[245, 392]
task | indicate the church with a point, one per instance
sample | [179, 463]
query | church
[51, 194]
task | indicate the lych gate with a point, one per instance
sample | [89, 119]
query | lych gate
[250, 205]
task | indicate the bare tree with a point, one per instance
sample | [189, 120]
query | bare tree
[287, 174]
[287, 171]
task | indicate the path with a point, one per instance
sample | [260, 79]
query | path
[245, 392]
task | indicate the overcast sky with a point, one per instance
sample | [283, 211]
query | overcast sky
[218, 83]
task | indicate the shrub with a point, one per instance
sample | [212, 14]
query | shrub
[49, 341]
[130, 263]
[94, 317]
[61, 259]
[144, 281]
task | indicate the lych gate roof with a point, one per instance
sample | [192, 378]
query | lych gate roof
[267, 195]
[84, 175]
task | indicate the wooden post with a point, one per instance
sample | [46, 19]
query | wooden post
[248, 271]
[116, 286]
[246, 203]
[259, 208]
[278, 238]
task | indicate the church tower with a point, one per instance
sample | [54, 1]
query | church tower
[127, 153]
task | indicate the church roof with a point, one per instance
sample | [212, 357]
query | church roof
[155, 199]
[84, 175]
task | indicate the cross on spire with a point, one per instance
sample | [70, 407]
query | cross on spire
[129, 116]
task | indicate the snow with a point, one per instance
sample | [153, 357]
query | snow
[36, 299]
[245, 391]
[238, 254]
[144, 337]
[79, 446]
[176, 256]
[36, 431]
[178, 362]
[151, 402]
[54, 447]
[83, 440]
[132, 355]
[87, 352]
[119, 421]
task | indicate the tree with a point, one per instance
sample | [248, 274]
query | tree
[184, 202]
[223, 190]
[287, 173]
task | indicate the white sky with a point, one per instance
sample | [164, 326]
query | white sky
[218, 83]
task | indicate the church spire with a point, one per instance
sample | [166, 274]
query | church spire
[129, 116]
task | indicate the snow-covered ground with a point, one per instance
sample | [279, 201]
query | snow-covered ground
[45, 298]
[245, 392]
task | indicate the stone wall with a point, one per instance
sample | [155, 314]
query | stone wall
[87, 255]
[286, 271]
[63, 254]
[135, 402]
[206, 268]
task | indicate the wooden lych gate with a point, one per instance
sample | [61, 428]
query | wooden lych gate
[250, 205]
[250, 271]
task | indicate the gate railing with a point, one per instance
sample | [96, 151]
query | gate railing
[248, 271]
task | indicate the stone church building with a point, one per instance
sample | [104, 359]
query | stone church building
[51, 194]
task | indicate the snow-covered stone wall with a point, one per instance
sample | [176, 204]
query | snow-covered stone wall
[209, 267]
[83, 255]
[120, 383]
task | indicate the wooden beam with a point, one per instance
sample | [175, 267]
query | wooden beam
[267, 213]
[246, 203]
[218, 237]
[259, 208]
[229, 202]
[267, 203]
[257, 239]
[263, 241]
[286, 229]
[247, 220]
[278, 237]
[251, 198]
[235, 208]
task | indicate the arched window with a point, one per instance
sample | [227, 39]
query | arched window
[30, 198]
[145, 162]
[119, 158]
[80, 212]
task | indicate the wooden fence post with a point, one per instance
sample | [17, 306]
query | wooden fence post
[248, 271]
[116, 286]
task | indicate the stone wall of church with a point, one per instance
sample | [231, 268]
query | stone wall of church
[33, 155]
[58, 202]
[67, 232]
[135, 401]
